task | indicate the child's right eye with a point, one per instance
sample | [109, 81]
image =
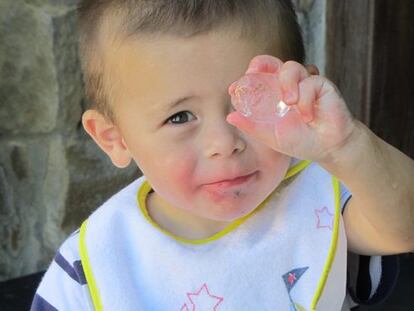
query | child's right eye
[181, 117]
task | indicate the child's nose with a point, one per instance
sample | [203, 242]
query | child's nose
[223, 140]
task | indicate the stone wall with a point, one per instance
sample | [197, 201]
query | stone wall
[51, 174]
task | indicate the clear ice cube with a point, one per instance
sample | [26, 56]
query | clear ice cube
[259, 96]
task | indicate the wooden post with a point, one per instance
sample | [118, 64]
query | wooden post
[370, 56]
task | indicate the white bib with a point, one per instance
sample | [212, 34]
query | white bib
[290, 254]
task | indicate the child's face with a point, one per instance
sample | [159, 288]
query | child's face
[170, 104]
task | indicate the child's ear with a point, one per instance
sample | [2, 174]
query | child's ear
[106, 134]
[312, 69]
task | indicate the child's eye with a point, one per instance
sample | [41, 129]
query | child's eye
[181, 117]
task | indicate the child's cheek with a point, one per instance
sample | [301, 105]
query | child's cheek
[181, 171]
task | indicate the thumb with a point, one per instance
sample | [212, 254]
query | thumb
[262, 131]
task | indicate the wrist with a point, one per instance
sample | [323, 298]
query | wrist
[352, 150]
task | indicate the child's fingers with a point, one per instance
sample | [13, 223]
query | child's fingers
[290, 75]
[232, 87]
[264, 64]
[309, 93]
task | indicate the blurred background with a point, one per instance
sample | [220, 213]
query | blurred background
[52, 176]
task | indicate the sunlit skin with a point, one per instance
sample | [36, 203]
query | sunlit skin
[199, 165]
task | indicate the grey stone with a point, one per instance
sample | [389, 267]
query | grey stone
[18, 162]
[28, 88]
[53, 7]
[6, 196]
[69, 77]
[93, 179]
[54, 191]
[33, 206]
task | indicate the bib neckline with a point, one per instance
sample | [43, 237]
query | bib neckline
[146, 188]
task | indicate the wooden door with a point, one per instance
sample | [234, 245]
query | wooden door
[370, 56]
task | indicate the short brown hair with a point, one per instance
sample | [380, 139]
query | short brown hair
[275, 18]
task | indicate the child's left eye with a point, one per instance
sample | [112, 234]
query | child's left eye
[181, 117]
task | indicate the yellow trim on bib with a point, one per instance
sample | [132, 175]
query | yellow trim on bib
[298, 167]
[142, 195]
[332, 249]
[86, 265]
[146, 188]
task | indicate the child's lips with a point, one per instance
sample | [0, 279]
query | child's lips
[232, 182]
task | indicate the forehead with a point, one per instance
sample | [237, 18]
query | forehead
[156, 69]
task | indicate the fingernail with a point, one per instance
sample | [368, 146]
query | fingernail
[230, 118]
[307, 118]
[231, 88]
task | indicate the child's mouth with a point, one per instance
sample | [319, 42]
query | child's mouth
[229, 183]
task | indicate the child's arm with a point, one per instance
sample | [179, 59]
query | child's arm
[379, 218]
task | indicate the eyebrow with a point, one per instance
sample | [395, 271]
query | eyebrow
[177, 102]
[166, 109]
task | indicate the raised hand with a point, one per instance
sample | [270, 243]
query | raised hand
[318, 122]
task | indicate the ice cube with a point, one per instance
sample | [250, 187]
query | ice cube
[259, 96]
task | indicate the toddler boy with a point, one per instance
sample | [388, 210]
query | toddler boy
[225, 216]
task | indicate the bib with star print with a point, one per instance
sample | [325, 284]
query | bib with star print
[289, 254]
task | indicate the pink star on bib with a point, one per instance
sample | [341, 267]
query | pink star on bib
[202, 300]
[325, 219]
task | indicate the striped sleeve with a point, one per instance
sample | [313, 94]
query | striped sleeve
[345, 195]
[64, 286]
[370, 279]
